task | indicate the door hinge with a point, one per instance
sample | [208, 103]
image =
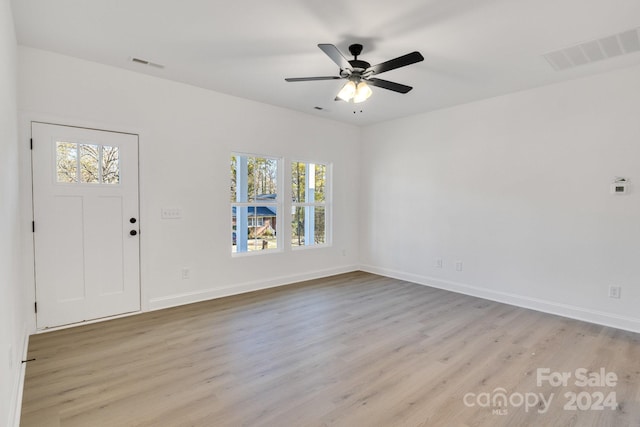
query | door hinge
[33, 226]
[31, 143]
[35, 306]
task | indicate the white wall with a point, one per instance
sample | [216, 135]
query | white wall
[12, 316]
[186, 137]
[517, 188]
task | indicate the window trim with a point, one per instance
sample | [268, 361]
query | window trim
[278, 204]
[78, 163]
[327, 205]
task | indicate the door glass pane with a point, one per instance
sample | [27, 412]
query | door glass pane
[89, 171]
[66, 161]
[110, 165]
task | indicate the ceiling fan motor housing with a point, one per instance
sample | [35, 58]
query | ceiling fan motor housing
[358, 65]
[355, 49]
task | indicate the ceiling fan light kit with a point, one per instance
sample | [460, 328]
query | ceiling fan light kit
[348, 91]
[363, 92]
[356, 92]
[359, 74]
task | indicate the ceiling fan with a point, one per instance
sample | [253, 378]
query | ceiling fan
[358, 73]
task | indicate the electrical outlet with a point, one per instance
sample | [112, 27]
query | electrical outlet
[615, 291]
[344, 252]
[438, 263]
[186, 273]
[10, 357]
[458, 265]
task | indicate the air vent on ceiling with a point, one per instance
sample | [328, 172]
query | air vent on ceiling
[595, 50]
[145, 62]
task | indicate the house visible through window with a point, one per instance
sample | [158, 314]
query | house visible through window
[254, 203]
[309, 208]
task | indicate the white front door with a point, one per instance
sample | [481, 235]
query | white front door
[85, 202]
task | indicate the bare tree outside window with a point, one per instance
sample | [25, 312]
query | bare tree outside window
[67, 161]
[87, 163]
[262, 177]
[254, 203]
[308, 215]
[110, 165]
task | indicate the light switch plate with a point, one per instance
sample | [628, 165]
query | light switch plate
[171, 213]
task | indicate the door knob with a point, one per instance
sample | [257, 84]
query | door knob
[132, 220]
[133, 232]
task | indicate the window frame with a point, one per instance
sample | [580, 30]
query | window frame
[256, 203]
[327, 205]
[79, 165]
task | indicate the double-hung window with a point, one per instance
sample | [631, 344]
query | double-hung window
[254, 203]
[309, 211]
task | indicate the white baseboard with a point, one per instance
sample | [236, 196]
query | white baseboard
[573, 312]
[16, 405]
[272, 282]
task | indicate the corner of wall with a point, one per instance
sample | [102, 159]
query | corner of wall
[598, 317]
[16, 404]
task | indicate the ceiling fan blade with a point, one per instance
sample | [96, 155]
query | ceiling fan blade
[392, 64]
[386, 84]
[332, 52]
[310, 79]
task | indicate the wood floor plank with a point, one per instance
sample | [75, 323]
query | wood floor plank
[350, 350]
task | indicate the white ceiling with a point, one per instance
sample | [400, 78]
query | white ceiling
[473, 49]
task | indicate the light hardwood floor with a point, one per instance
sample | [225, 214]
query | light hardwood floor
[350, 350]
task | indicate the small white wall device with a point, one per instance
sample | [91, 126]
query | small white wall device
[620, 186]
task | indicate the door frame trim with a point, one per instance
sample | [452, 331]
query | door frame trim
[27, 267]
